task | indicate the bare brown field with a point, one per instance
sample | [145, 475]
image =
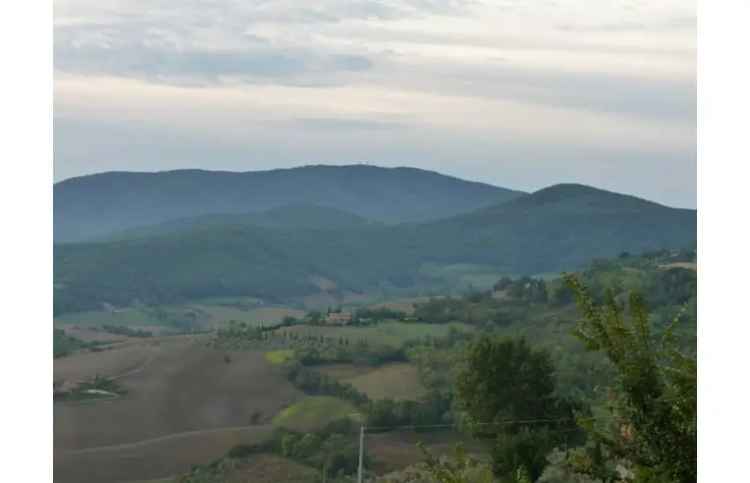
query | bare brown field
[120, 359]
[153, 459]
[174, 385]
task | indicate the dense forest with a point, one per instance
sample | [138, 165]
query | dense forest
[555, 229]
[93, 206]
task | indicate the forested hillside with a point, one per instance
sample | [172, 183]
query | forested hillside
[558, 228]
[95, 206]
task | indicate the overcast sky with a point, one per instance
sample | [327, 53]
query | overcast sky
[521, 94]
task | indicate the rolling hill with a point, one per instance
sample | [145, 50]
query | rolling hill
[95, 206]
[560, 227]
[557, 228]
[292, 216]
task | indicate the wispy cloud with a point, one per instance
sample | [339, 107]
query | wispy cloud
[344, 78]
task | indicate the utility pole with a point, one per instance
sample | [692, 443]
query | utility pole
[361, 452]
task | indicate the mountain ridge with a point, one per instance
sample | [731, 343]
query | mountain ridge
[94, 205]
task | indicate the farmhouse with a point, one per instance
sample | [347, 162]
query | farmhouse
[339, 318]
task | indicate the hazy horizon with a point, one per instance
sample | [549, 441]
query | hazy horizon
[508, 93]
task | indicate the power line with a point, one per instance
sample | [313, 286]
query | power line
[493, 423]
[363, 429]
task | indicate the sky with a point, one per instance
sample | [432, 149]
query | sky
[520, 94]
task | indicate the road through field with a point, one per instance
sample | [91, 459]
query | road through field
[167, 437]
[154, 458]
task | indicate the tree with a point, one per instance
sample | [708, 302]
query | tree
[654, 407]
[507, 393]
[562, 295]
[461, 468]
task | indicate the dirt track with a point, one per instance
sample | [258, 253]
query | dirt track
[151, 459]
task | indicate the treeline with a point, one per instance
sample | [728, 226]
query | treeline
[557, 229]
[65, 345]
[430, 411]
[315, 351]
[309, 349]
[126, 331]
[314, 383]
[478, 309]
[433, 408]
[368, 315]
[666, 285]
[333, 451]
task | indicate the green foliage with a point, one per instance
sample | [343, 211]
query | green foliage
[432, 409]
[477, 308]
[562, 295]
[94, 205]
[460, 468]
[333, 449]
[64, 345]
[654, 408]
[126, 331]
[370, 315]
[507, 391]
[558, 228]
[314, 383]
[525, 289]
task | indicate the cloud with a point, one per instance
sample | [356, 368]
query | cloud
[644, 25]
[193, 42]
[160, 65]
[344, 124]
[610, 93]
[156, 56]
[475, 88]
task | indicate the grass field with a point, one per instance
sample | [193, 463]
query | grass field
[280, 356]
[314, 412]
[394, 381]
[387, 333]
[398, 381]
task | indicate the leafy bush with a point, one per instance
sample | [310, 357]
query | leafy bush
[654, 409]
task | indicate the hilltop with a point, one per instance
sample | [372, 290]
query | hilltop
[98, 205]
